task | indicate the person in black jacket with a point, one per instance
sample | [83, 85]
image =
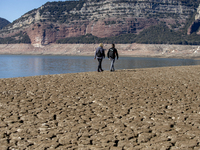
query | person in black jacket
[112, 53]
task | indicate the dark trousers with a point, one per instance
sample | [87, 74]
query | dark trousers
[99, 66]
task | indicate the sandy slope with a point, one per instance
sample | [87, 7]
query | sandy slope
[155, 108]
[144, 50]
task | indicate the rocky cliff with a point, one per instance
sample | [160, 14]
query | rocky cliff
[101, 18]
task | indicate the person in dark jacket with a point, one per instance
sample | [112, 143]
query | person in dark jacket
[100, 55]
[112, 53]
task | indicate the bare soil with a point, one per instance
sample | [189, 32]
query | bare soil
[140, 109]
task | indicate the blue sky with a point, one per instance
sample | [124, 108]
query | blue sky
[14, 9]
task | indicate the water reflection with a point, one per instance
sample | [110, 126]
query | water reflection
[25, 65]
[154, 62]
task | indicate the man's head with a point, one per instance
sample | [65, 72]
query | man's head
[113, 45]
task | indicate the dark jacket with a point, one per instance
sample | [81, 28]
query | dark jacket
[102, 53]
[115, 53]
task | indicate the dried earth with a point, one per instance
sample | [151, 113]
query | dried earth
[140, 109]
[136, 50]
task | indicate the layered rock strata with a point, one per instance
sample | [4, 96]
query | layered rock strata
[104, 18]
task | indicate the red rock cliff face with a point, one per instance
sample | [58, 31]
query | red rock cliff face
[45, 33]
[41, 33]
[114, 27]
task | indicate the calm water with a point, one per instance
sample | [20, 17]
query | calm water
[28, 65]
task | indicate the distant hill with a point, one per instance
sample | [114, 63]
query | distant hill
[3, 22]
[119, 21]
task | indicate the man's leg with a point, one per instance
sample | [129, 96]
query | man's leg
[112, 65]
[99, 66]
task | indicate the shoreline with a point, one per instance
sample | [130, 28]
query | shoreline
[124, 50]
[143, 108]
[139, 56]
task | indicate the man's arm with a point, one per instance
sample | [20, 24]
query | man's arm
[95, 55]
[103, 53]
[108, 53]
[117, 54]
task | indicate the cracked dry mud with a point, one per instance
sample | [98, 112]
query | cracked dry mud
[140, 109]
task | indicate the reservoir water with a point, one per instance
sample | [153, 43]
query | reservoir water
[32, 65]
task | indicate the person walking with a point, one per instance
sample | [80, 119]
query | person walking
[99, 55]
[112, 53]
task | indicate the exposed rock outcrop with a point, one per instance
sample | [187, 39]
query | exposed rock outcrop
[104, 18]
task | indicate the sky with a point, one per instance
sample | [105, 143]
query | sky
[14, 9]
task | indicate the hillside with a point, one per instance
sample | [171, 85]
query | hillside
[3, 22]
[110, 21]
